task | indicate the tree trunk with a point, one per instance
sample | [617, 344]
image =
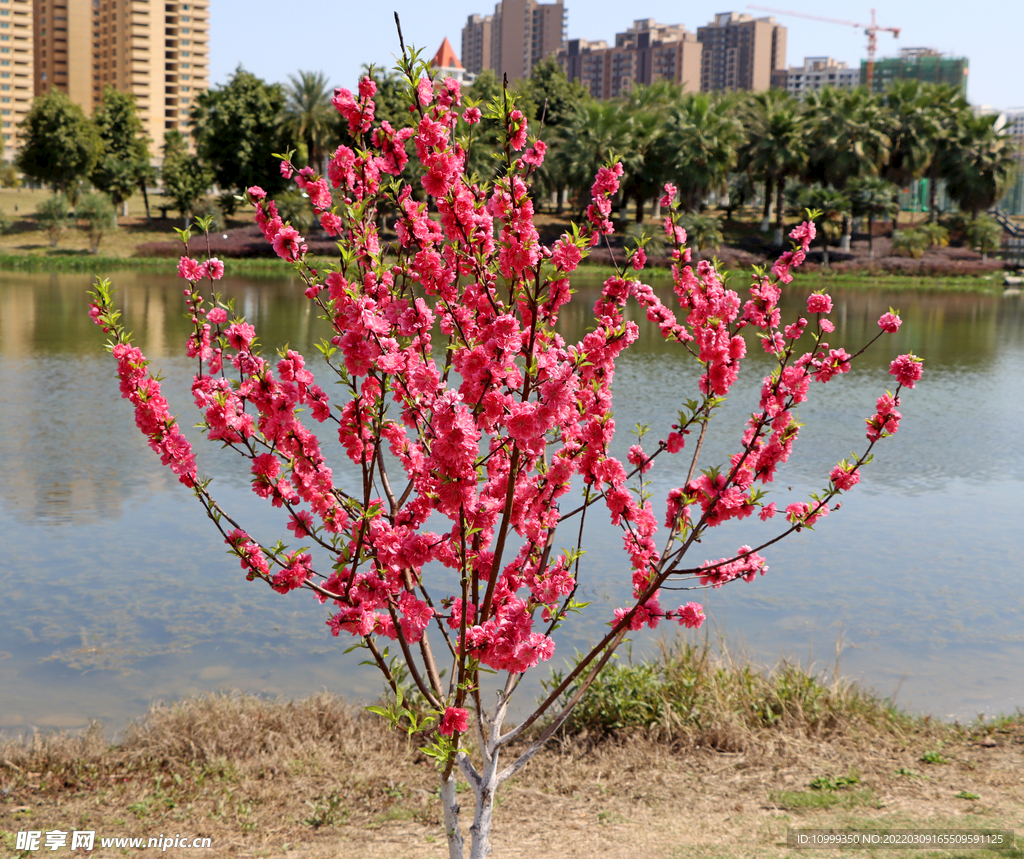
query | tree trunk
[145, 198]
[871, 236]
[766, 217]
[844, 241]
[780, 211]
[933, 194]
[639, 217]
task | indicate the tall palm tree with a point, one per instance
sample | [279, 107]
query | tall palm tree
[702, 146]
[307, 114]
[983, 166]
[848, 140]
[913, 130]
[950, 110]
[595, 132]
[776, 148]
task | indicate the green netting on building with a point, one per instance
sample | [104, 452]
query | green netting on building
[933, 69]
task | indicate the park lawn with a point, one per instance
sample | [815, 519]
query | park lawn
[25, 238]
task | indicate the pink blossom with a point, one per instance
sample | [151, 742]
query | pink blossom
[517, 130]
[890, 322]
[639, 259]
[804, 233]
[425, 92]
[189, 269]
[819, 303]
[669, 195]
[691, 615]
[214, 268]
[288, 243]
[566, 255]
[472, 115]
[456, 720]
[217, 315]
[906, 369]
[844, 476]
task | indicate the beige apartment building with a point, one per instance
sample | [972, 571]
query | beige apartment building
[514, 39]
[157, 49]
[740, 52]
[814, 75]
[16, 70]
[646, 53]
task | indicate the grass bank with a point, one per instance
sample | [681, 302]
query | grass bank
[100, 265]
[690, 755]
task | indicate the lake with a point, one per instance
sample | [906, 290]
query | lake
[117, 591]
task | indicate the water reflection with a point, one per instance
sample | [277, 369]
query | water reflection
[116, 590]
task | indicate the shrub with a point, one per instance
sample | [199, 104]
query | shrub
[204, 207]
[984, 234]
[97, 211]
[52, 215]
[912, 243]
[703, 232]
[937, 234]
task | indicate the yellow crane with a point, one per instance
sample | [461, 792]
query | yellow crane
[870, 30]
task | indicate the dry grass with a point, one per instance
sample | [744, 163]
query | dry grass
[316, 778]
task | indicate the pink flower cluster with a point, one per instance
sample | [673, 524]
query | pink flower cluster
[151, 414]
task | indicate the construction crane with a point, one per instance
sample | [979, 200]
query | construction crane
[870, 30]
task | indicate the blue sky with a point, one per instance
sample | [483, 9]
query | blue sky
[338, 37]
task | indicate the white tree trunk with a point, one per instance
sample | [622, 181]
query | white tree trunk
[766, 223]
[450, 803]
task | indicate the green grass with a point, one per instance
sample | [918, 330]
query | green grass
[76, 262]
[885, 280]
[813, 800]
[689, 692]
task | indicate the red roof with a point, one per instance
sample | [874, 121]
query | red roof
[445, 57]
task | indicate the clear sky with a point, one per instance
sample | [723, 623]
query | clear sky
[338, 37]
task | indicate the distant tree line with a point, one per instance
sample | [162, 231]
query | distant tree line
[841, 152]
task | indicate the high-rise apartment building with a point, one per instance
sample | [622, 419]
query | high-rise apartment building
[16, 70]
[514, 39]
[476, 43]
[156, 49]
[740, 52]
[644, 54]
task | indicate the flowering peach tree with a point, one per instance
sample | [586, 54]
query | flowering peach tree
[470, 421]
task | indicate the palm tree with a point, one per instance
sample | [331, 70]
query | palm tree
[307, 114]
[913, 131]
[950, 110]
[831, 206]
[595, 132]
[702, 146]
[983, 165]
[776, 148]
[849, 139]
[873, 197]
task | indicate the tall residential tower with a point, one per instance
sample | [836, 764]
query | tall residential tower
[740, 52]
[16, 69]
[156, 49]
[514, 39]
